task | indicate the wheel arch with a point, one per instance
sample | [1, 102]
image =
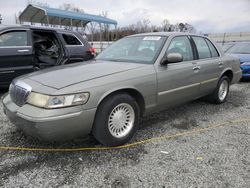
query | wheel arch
[228, 73]
[130, 91]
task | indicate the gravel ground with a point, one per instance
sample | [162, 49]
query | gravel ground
[218, 157]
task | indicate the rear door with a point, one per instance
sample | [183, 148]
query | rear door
[74, 47]
[15, 55]
[177, 82]
[209, 64]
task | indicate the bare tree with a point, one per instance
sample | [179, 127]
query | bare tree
[92, 27]
[143, 26]
[105, 27]
[181, 27]
[1, 19]
[71, 7]
[186, 28]
[165, 25]
[189, 28]
[37, 3]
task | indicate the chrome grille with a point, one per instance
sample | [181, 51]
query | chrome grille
[19, 92]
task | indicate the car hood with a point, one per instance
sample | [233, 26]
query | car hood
[62, 76]
[243, 57]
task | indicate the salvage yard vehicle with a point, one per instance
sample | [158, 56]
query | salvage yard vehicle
[135, 76]
[24, 49]
[242, 50]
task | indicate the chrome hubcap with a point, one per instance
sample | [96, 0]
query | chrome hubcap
[121, 120]
[223, 90]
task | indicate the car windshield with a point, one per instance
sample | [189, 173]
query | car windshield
[240, 48]
[139, 49]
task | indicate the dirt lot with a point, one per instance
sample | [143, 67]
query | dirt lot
[218, 157]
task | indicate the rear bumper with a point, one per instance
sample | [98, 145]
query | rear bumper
[51, 125]
[236, 77]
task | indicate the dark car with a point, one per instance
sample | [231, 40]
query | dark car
[24, 49]
[242, 50]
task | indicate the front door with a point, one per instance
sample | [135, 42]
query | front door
[177, 82]
[15, 55]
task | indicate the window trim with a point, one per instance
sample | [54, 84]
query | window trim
[207, 40]
[191, 45]
[198, 58]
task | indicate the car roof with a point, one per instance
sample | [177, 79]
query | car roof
[4, 27]
[167, 34]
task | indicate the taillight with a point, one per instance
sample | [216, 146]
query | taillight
[92, 51]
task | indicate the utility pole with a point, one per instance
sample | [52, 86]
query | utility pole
[1, 19]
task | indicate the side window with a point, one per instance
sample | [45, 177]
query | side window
[71, 40]
[202, 47]
[14, 38]
[181, 45]
[213, 50]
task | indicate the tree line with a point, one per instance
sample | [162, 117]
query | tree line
[141, 26]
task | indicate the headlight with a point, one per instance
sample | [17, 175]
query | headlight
[246, 63]
[46, 101]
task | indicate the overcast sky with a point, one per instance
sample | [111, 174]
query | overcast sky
[205, 15]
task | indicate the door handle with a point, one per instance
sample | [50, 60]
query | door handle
[220, 64]
[23, 50]
[196, 68]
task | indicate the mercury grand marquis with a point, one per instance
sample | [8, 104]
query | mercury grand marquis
[106, 97]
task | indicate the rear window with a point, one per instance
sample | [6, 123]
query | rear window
[71, 40]
[213, 50]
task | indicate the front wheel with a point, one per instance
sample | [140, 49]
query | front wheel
[221, 92]
[116, 120]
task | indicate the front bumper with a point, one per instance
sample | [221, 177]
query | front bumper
[52, 124]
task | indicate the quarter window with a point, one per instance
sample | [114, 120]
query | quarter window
[181, 45]
[14, 38]
[202, 47]
[213, 50]
[71, 40]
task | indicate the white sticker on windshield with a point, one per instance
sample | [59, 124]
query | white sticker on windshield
[152, 38]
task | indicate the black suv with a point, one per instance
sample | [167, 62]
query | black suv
[24, 49]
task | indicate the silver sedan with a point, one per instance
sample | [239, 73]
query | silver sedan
[135, 76]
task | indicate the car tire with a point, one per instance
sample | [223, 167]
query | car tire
[221, 92]
[117, 119]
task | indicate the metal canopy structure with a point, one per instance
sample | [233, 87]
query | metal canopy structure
[45, 15]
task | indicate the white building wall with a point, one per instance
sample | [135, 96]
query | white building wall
[230, 37]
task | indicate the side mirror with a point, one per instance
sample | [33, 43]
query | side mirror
[172, 58]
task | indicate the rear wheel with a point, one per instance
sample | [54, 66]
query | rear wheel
[116, 120]
[221, 92]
